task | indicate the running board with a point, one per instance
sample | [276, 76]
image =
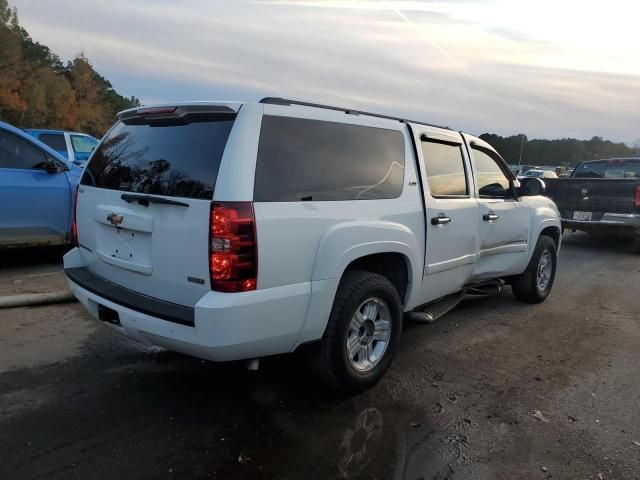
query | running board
[434, 311]
[430, 313]
[481, 290]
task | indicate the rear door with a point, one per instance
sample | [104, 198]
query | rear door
[144, 201]
[503, 223]
[451, 209]
[36, 204]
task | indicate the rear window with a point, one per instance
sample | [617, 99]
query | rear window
[614, 169]
[173, 159]
[301, 159]
[54, 140]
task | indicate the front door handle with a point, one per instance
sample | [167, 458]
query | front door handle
[490, 217]
[440, 220]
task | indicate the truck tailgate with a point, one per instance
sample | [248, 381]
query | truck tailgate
[592, 195]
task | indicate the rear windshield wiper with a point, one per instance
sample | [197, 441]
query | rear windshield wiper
[147, 199]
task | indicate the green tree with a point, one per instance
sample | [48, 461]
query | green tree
[10, 62]
[565, 151]
[38, 90]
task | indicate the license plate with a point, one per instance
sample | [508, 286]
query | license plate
[584, 216]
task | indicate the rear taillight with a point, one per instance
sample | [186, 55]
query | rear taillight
[74, 223]
[636, 198]
[233, 249]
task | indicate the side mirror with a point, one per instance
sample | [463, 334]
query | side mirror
[55, 167]
[531, 186]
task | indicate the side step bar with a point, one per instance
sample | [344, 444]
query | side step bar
[480, 290]
[430, 313]
[434, 311]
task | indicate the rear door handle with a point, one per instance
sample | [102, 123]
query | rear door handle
[490, 217]
[440, 220]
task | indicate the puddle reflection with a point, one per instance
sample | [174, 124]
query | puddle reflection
[360, 442]
[350, 443]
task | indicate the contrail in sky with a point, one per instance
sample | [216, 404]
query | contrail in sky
[384, 5]
[432, 42]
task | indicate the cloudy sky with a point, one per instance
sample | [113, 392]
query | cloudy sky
[547, 68]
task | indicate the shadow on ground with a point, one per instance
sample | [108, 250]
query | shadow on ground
[139, 412]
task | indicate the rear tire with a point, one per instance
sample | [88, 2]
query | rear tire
[354, 327]
[534, 284]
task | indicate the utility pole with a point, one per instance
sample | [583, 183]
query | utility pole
[521, 135]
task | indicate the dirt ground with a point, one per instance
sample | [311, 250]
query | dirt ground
[494, 390]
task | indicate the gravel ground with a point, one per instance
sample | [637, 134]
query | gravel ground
[494, 390]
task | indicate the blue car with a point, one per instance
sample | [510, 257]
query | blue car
[37, 188]
[74, 146]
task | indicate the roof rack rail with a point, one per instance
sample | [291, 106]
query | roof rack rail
[349, 111]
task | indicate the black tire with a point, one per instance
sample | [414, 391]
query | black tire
[635, 248]
[525, 286]
[328, 358]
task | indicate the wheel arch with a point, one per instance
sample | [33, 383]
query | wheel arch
[553, 232]
[546, 226]
[345, 247]
[392, 265]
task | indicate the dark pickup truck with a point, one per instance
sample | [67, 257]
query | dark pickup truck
[601, 197]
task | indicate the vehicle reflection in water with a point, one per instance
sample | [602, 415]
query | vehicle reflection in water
[298, 431]
[359, 442]
[163, 412]
[398, 448]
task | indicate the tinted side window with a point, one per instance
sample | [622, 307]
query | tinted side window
[54, 140]
[302, 159]
[492, 181]
[18, 153]
[162, 158]
[444, 164]
[83, 144]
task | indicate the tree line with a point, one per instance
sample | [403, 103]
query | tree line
[566, 152]
[38, 90]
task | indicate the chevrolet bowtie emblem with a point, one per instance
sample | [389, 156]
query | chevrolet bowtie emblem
[115, 218]
[584, 191]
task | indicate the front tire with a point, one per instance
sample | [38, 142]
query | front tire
[362, 334]
[534, 284]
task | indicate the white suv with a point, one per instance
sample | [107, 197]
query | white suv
[235, 231]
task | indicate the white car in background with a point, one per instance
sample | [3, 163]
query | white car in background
[538, 173]
[234, 231]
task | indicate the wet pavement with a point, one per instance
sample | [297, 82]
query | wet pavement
[495, 389]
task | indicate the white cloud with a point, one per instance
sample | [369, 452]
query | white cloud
[543, 67]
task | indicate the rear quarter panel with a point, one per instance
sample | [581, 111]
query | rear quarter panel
[312, 242]
[301, 241]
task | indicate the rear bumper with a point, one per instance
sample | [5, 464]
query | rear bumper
[226, 326]
[82, 277]
[606, 220]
